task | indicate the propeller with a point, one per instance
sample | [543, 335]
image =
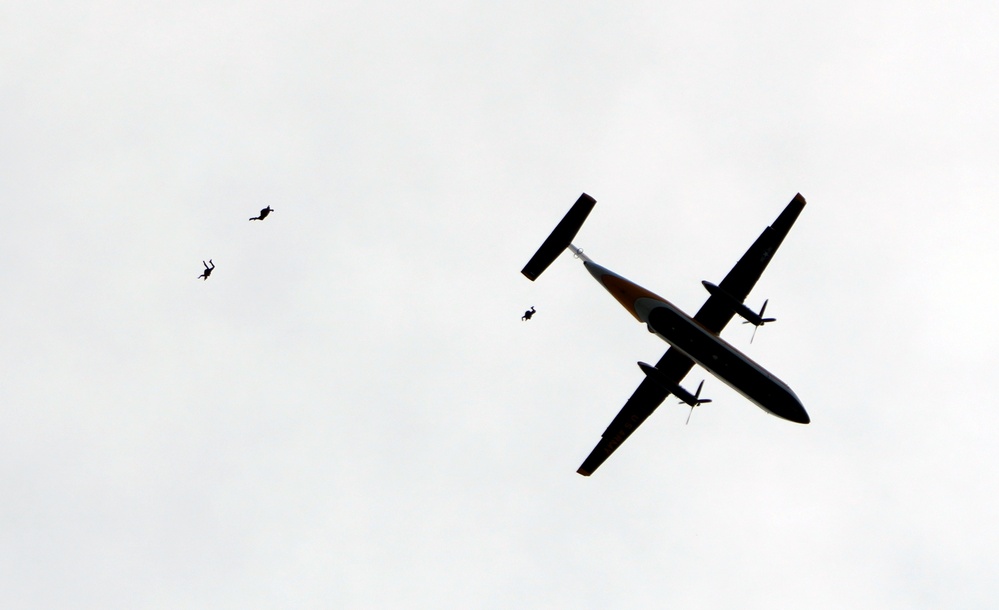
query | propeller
[697, 401]
[757, 325]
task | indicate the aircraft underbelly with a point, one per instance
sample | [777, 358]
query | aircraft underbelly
[726, 363]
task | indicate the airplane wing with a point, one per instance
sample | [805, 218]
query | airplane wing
[716, 312]
[713, 315]
[640, 406]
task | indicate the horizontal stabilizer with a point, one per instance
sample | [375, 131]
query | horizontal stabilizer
[560, 238]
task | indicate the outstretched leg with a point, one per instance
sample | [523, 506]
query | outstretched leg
[208, 270]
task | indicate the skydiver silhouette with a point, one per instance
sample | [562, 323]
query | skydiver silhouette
[527, 314]
[208, 270]
[263, 213]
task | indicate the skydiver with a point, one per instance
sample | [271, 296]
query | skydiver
[527, 314]
[208, 270]
[263, 213]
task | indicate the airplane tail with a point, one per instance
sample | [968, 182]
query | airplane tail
[560, 238]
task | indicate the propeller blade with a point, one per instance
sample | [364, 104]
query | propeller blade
[688, 415]
[755, 328]
[762, 309]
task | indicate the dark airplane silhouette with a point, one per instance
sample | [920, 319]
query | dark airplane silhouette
[693, 340]
[263, 213]
[527, 314]
[208, 270]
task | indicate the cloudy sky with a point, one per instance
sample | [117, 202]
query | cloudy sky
[350, 412]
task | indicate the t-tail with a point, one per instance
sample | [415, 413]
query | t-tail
[560, 238]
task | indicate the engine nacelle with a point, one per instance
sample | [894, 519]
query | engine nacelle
[659, 377]
[750, 316]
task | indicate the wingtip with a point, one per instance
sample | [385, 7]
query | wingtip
[583, 472]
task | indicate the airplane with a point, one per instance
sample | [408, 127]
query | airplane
[692, 340]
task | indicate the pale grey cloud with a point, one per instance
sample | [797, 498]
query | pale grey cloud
[350, 413]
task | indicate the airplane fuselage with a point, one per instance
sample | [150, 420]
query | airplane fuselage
[707, 349]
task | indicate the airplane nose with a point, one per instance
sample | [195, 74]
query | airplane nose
[788, 406]
[797, 413]
[793, 409]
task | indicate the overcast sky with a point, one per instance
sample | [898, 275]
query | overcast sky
[350, 412]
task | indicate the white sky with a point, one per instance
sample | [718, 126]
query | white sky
[350, 412]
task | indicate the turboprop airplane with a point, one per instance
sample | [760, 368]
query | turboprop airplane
[692, 340]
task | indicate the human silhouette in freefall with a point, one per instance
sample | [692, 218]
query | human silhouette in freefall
[208, 270]
[527, 314]
[263, 213]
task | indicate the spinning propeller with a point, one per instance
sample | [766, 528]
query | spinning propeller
[758, 320]
[697, 401]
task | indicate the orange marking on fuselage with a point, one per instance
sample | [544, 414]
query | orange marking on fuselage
[627, 292]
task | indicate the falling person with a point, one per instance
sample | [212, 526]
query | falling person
[527, 314]
[208, 270]
[263, 213]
